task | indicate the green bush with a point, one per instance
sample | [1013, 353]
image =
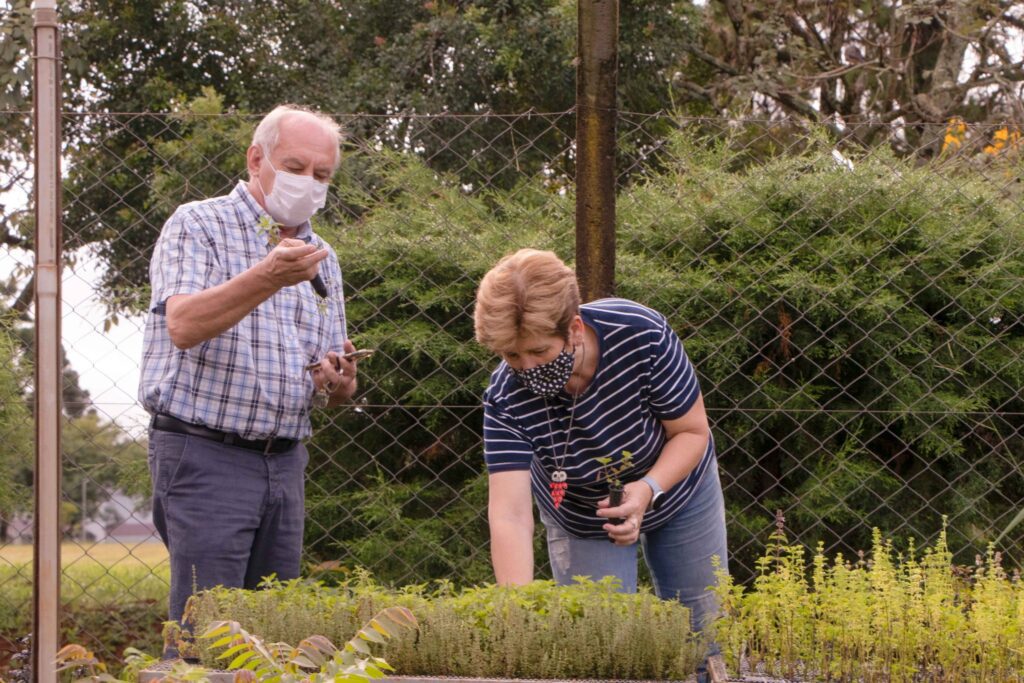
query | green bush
[857, 333]
[883, 617]
[587, 630]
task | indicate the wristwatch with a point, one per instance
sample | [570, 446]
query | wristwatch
[658, 496]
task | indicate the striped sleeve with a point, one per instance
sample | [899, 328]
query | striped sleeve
[183, 262]
[674, 386]
[506, 448]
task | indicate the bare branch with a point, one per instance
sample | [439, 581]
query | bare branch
[693, 89]
[709, 58]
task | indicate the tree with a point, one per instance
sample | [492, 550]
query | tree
[100, 460]
[908, 65]
[15, 430]
[393, 63]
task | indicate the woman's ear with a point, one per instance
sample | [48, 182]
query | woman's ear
[576, 331]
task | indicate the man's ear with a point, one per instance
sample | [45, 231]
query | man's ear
[253, 157]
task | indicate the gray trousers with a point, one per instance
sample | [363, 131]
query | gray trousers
[228, 516]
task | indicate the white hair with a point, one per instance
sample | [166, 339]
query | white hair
[268, 132]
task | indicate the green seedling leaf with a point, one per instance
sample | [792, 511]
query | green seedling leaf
[304, 662]
[217, 629]
[372, 635]
[226, 640]
[357, 645]
[241, 659]
[233, 650]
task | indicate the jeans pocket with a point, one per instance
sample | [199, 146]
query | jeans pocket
[167, 451]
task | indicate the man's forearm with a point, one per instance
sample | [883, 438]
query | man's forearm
[195, 318]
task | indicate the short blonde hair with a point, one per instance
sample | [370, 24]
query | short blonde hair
[529, 292]
[268, 132]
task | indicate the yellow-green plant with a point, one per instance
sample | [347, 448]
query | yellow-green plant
[283, 663]
[314, 660]
[612, 473]
[886, 616]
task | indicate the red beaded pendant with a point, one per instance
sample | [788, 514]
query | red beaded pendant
[558, 486]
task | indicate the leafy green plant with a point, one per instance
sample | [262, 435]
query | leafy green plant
[532, 631]
[884, 616]
[86, 666]
[612, 474]
[314, 660]
[283, 663]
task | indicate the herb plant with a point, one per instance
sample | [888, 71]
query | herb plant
[882, 616]
[612, 476]
[531, 631]
[612, 473]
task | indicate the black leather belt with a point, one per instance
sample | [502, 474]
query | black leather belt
[166, 423]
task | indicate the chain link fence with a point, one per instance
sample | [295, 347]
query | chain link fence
[853, 308]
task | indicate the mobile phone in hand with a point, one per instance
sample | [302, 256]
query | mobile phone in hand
[358, 354]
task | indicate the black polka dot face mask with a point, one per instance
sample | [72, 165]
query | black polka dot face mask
[547, 379]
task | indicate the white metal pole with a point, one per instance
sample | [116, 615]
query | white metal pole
[46, 568]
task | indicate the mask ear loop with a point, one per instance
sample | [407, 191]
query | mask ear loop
[265, 157]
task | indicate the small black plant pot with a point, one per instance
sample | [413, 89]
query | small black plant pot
[615, 495]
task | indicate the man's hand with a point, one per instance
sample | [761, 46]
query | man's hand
[337, 376]
[292, 261]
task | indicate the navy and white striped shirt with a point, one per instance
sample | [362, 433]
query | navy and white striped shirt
[252, 379]
[643, 376]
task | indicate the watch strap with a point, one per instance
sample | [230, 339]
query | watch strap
[655, 490]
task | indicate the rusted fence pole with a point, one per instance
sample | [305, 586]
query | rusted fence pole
[46, 567]
[596, 80]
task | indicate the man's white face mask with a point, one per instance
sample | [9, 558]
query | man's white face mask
[295, 198]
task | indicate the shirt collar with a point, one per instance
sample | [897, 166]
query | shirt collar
[253, 213]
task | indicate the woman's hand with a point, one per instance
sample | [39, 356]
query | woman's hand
[636, 496]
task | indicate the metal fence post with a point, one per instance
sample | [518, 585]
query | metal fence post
[46, 568]
[596, 79]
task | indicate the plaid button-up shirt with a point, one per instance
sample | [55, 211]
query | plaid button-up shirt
[252, 379]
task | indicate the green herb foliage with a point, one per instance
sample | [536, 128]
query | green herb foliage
[886, 616]
[533, 631]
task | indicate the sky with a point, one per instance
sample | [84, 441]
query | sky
[107, 361]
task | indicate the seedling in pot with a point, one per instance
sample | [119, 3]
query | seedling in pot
[612, 475]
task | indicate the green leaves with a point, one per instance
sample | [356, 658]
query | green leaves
[890, 615]
[487, 631]
[280, 662]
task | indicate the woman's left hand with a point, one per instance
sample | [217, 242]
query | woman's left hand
[635, 499]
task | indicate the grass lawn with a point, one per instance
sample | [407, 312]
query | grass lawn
[113, 594]
[150, 554]
[97, 575]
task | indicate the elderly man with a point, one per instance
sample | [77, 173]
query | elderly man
[237, 347]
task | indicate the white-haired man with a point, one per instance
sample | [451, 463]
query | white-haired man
[233, 328]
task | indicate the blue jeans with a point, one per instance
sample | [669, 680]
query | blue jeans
[678, 554]
[228, 516]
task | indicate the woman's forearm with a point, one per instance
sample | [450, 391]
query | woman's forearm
[679, 457]
[512, 551]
